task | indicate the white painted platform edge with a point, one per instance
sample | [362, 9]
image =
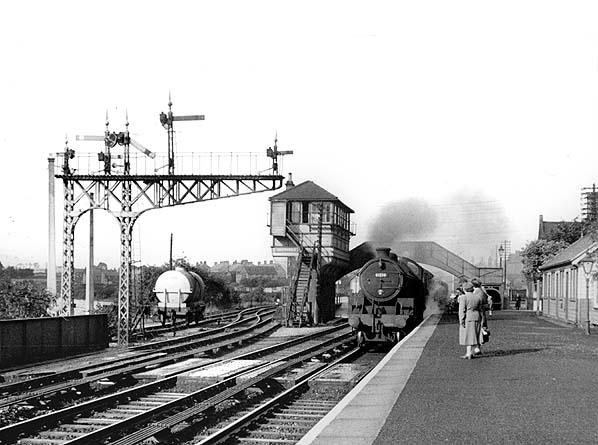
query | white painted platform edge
[319, 428]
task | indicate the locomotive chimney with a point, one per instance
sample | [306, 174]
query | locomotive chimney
[382, 252]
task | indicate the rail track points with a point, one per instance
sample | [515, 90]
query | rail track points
[134, 407]
[276, 389]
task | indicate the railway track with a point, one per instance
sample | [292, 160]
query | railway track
[72, 381]
[32, 374]
[208, 321]
[287, 417]
[156, 408]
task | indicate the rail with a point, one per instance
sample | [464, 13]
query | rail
[254, 415]
[30, 426]
[172, 353]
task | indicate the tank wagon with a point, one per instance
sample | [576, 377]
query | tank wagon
[391, 300]
[180, 293]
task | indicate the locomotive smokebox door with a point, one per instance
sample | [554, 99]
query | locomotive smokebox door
[381, 279]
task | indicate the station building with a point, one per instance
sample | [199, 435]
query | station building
[569, 290]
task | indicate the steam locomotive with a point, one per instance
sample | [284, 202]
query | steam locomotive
[180, 293]
[392, 298]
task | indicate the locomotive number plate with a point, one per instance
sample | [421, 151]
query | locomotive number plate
[381, 275]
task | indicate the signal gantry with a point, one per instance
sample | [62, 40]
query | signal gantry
[128, 185]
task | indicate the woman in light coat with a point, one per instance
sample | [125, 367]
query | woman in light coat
[470, 320]
[479, 291]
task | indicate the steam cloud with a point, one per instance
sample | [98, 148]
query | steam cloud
[411, 219]
[469, 223]
[473, 224]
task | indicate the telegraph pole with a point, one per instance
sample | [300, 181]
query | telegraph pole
[89, 288]
[51, 269]
[503, 251]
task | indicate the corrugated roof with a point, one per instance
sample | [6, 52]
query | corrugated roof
[307, 191]
[570, 253]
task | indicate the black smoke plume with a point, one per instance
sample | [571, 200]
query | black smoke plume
[407, 220]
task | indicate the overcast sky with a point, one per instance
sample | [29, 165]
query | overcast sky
[482, 113]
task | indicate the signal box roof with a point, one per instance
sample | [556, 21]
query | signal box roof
[308, 191]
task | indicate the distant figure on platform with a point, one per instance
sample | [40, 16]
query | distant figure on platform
[518, 302]
[470, 320]
[490, 302]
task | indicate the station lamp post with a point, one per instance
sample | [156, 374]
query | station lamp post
[503, 265]
[587, 265]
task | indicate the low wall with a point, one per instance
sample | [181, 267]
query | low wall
[30, 340]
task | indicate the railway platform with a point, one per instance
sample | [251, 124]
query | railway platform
[535, 383]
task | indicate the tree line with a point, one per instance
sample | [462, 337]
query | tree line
[20, 297]
[537, 252]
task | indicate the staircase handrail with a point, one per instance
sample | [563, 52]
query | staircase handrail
[295, 283]
[312, 260]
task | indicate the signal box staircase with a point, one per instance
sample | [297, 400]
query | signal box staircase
[308, 262]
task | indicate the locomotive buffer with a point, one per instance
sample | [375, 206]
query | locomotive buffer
[127, 194]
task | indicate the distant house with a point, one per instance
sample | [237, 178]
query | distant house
[545, 228]
[563, 291]
[239, 270]
[101, 275]
[266, 271]
[220, 268]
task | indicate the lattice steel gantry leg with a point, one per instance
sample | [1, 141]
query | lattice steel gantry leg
[126, 221]
[124, 286]
[68, 250]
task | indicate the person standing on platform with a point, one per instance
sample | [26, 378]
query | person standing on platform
[479, 291]
[454, 302]
[470, 320]
[490, 302]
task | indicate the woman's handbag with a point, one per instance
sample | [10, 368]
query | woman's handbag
[485, 335]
